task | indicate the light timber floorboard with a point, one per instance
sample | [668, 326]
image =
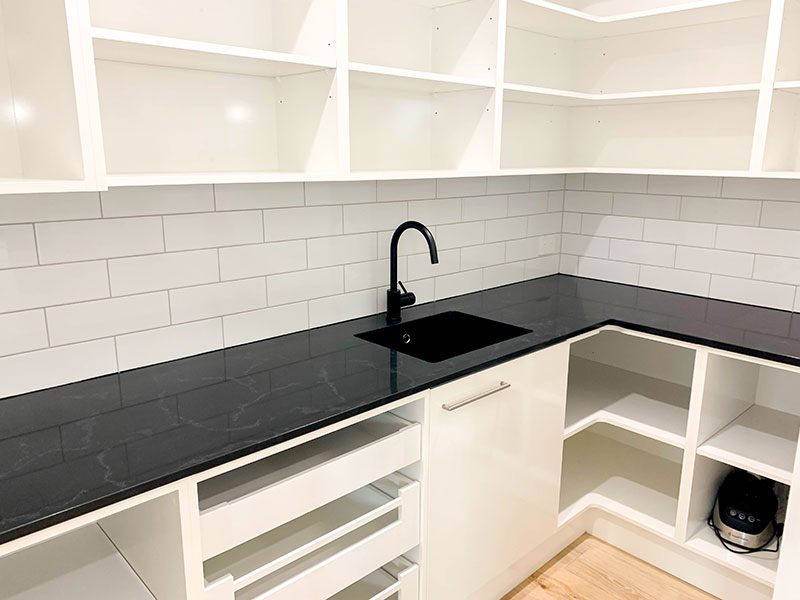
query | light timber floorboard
[590, 569]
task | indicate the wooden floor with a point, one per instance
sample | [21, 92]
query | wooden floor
[589, 569]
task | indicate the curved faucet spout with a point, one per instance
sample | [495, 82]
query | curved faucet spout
[394, 299]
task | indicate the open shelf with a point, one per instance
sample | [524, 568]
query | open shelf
[623, 473]
[43, 136]
[708, 476]
[782, 152]
[180, 120]
[305, 28]
[81, 565]
[253, 560]
[761, 440]
[436, 36]
[788, 67]
[598, 393]
[686, 133]
[549, 48]
[749, 417]
[418, 124]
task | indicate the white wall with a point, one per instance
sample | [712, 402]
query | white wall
[92, 283]
[728, 238]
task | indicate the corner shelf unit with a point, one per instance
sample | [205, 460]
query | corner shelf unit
[651, 443]
[327, 90]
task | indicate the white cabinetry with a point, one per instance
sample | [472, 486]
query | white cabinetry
[493, 473]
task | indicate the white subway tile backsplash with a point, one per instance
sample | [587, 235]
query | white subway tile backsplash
[678, 185]
[542, 266]
[645, 253]
[531, 203]
[510, 184]
[758, 240]
[304, 285]
[612, 226]
[31, 371]
[506, 229]
[162, 271]
[674, 280]
[406, 189]
[721, 262]
[71, 241]
[480, 208]
[211, 230]
[613, 182]
[781, 215]
[420, 267]
[678, 232]
[588, 202]
[503, 274]
[461, 186]
[532, 247]
[777, 269]
[568, 264]
[646, 205]
[374, 217]
[324, 311]
[423, 289]
[609, 270]
[37, 287]
[374, 274]
[106, 318]
[240, 262]
[342, 249]
[544, 183]
[33, 208]
[457, 236]
[585, 245]
[300, 223]
[487, 255]
[249, 196]
[22, 332]
[17, 246]
[447, 286]
[435, 212]
[256, 325]
[749, 291]
[544, 224]
[761, 189]
[159, 200]
[720, 210]
[555, 201]
[574, 181]
[571, 222]
[340, 192]
[168, 343]
[217, 299]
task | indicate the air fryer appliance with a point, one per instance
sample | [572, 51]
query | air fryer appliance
[744, 513]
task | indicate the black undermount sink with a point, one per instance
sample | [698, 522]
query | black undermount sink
[443, 335]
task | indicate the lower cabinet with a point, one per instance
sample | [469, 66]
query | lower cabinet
[494, 464]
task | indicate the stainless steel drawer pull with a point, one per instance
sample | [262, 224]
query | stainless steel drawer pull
[503, 386]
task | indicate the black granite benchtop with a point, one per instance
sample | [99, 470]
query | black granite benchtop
[69, 450]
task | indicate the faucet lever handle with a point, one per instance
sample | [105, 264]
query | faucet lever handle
[402, 287]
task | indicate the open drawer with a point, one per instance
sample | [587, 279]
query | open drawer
[398, 579]
[321, 553]
[240, 505]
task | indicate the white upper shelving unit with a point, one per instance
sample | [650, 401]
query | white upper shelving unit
[212, 91]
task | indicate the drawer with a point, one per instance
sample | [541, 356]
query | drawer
[321, 553]
[240, 505]
[398, 579]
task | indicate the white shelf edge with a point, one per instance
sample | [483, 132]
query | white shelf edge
[789, 86]
[370, 69]
[116, 35]
[649, 431]
[618, 509]
[654, 12]
[742, 462]
[689, 93]
[713, 550]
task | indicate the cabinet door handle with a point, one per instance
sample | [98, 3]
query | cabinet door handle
[503, 386]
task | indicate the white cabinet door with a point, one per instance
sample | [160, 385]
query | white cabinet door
[494, 469]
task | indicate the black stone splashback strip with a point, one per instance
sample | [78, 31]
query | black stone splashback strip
[69, 450]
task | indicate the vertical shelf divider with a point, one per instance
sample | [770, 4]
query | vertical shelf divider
[343, 86]
[500, 77]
